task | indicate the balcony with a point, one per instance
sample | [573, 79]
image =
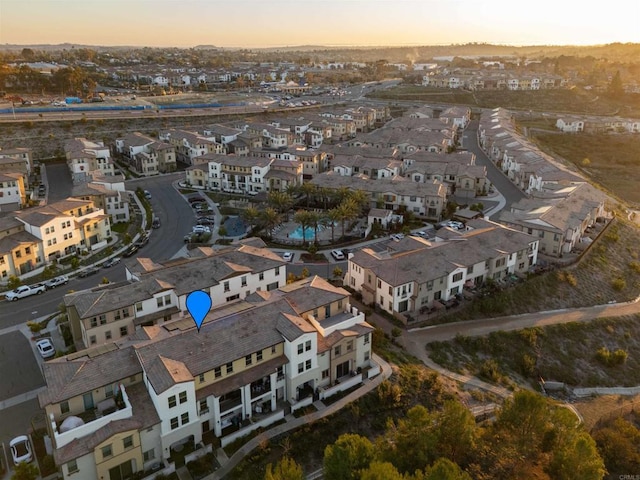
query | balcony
[93, 420]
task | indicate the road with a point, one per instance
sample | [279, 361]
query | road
[59, 184]
[511, 193]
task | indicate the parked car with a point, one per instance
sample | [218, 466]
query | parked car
[156, 223]
[111, 262]
[88, 271]
[337, 254]
[46, 348]
[147, 194]
[142, 241]
[55, 282]
[20, 449]
[287, 256]
[25, 291]
[130, 251]
[206, 221]
[201, 229]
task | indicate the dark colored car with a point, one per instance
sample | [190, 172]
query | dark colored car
[130, 251]
[88, 271]
[156, 223]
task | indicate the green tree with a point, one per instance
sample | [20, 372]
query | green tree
[222, 231]
[457, 432]
[333, 217]
[308, 190]
[285, 469]
[619, 443]
[445, 469]
[270, 218]
[345, 458]
[250, 215]
[524, 418]
[579, 459]
[381, 471]
[337, 273]
[25, 471]
[281, 201]
[13, 282]
[305, 219]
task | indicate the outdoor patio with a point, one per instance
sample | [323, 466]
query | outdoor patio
[290, 233]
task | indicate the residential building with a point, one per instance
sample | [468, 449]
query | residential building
[190, 145]
[146, 155]
[20, 251]
[412, 273]
[156, 293]
[85, 157]
[114, 202]
[557, 219]
[117, 409]
[13, 195]
[66, 227]
[16, 160]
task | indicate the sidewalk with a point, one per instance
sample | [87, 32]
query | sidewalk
[293, 423]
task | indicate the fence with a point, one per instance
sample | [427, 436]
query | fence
[277, 416]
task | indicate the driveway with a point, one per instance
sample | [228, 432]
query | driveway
[59, 182]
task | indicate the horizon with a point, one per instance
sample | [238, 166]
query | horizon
[253, 24]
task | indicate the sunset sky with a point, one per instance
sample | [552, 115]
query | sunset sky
[269, 23]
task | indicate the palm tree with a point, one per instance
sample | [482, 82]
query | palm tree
[360, 197]
[308, 189]
[333, 216]
[303, 217]
[314, 221]
[281, 201]
[251, 214]
[270, 218]
[348, 211]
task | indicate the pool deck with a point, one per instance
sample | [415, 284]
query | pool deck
[284, 230]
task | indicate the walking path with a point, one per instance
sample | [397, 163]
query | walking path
[227, 464]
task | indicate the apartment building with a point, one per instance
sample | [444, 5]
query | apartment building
[190, 145]
[118, 409]
[13, 194]
[66, 227]
[20, 251]
[426, 200]
[413, 272]
[85, 157]
[313, 161]
[557, 219]
[115, 203]
[16, 160]
[146, 155]
[156, 293]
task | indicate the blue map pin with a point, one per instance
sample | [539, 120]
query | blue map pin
[198, 304]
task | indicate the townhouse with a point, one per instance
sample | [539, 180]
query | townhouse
[115, 203]
[16, 160]
[371, 167]
[156, 293]
[426, 200]
[272, 137]
[313, 161]
[190, 145]
[505, 80]
[85, 158]
[559, 219]
[592, 124]
[146, 155]
[125, 407]
[66, 227]
[20, 251]
[13, 194]
[414, 273]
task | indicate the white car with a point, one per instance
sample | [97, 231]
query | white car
[201, 229]
[20, 449]
[287, 256]
[46, 348]
[54, 282]
[337, 254]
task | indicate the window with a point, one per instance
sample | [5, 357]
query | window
[149, 455]
[349, 345]
[184, 418]
[337, 351]
[366, 355]
[139, 307]
[300, 367]
[174, 423]
[277, 270]
[307, 345]
[261, 276]
[203, 406]
[273, 349]
[243, 281]
[217, 372]
[64, 408]
[127, 442]
[366, 338]
[226, 286]
[259, 356]
[470, 270]
[457, 277]
[183, 397]
[106, 451]
[307, 365]
[172, 401]
[93, 322]
[72, 467]
[201, 378]
[123, 331]
[103, 319]
[390, 290]
[229, 368]
[300, 348]
[325, 373]
[92, 340]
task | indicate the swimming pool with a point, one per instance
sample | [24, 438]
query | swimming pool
[308, 233]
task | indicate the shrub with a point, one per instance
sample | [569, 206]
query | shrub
[611, 359]
[13, 282]
[571, 279]
[489, 369]
[635, 266]
[35, 327]
[619, 284]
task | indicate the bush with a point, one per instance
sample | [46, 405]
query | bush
[619, 284]
[611, 359]
[35, 327]
[489, 370]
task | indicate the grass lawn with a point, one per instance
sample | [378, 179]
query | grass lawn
[609, 159]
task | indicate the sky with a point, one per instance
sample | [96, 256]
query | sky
[272, 23]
